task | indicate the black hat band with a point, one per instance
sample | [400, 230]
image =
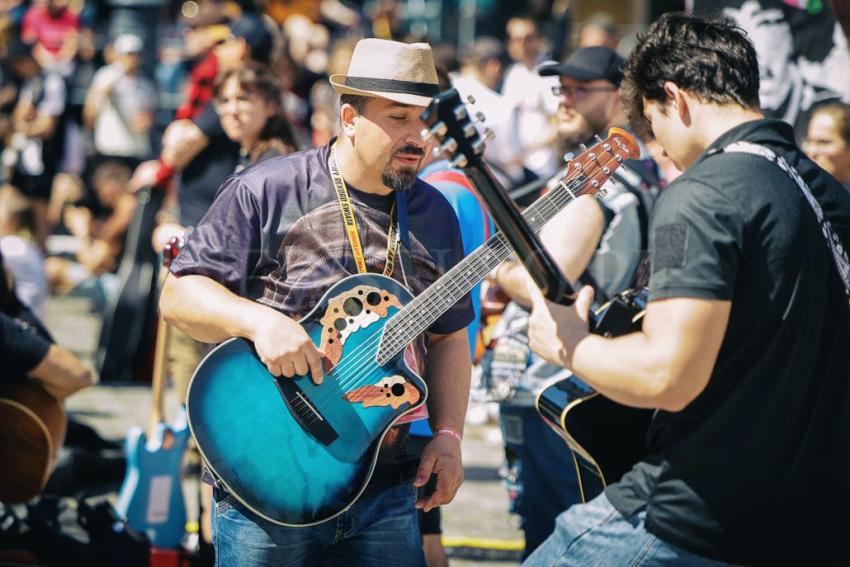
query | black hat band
[392, 86]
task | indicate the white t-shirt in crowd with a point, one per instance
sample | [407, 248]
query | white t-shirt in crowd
[131, 96]
[536, 108]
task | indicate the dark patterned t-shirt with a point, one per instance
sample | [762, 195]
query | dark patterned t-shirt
[275, 234]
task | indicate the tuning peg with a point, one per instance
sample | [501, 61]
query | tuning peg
[460, 112]
[469, 131]
[470, 99]
[438, 129]
[480, 117]
[459, 161]
[582, 147]
[449, 146]
[478, 145]
[597, 138]
[489, 134]
[568, 157]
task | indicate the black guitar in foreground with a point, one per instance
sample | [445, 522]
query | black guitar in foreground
[605, 438]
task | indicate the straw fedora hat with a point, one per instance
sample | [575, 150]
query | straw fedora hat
[403, 72]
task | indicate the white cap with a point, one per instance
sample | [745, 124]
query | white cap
[127, 43]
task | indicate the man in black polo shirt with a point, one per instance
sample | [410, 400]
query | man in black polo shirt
[745, 347]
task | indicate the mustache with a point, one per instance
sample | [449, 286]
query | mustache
[410, 150]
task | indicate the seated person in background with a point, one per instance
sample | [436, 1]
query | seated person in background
[29, 353]
[827, 140]
[100, 223]
[24, 260]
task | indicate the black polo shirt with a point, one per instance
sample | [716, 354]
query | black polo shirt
[200, 180]
[754, 470]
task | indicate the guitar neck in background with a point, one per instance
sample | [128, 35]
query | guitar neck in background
[428, 306]
[163, 332]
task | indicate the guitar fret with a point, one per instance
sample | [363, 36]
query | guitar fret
[428, 306]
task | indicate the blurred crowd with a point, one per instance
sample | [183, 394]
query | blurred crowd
[92, 115]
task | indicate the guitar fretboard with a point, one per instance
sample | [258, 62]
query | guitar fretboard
[428, 306]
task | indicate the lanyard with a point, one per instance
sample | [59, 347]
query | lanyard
[347, 210]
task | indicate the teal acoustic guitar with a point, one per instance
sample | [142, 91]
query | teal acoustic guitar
[298, 454]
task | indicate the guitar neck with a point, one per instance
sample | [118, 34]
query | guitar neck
[158, 383]
[428, 306]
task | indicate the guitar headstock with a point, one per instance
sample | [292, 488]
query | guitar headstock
[450, 125]
[595, 165]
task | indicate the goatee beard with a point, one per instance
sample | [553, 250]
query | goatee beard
[400, 180]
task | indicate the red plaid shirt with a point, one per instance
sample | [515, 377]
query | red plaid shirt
[201, 83]
[200, 91]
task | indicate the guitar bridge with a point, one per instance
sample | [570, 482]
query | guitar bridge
[304, 412]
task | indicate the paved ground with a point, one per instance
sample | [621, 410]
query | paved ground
[477, 513]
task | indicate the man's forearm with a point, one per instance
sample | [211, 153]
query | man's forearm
[666, 365]
[207, 311]
[62, 373]
[42, 127]
[629, 369]
[448, 373]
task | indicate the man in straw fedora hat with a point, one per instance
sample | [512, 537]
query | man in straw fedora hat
[276, 239]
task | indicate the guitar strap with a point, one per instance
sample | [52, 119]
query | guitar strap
[839, 254]
[347, 210]
[406, 262]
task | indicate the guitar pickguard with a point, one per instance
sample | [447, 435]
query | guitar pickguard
[390, 391]
[349, 312]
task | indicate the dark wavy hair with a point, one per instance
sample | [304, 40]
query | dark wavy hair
[260, 80]
[711, 58]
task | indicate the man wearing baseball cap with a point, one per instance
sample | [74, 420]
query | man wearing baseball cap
[275, 240]
[120, 105]
[601, 241]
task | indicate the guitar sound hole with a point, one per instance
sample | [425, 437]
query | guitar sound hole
[352, 306]
[397, 389]
[340, 324]
[373, 298]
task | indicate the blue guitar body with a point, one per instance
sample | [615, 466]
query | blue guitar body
[151, 496]
[294, 452]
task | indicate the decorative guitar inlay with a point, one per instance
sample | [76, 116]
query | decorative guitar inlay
[390, 391]
[349, 312]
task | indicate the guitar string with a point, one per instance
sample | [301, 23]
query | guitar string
[470, 273]
[432, 300]
[429, 301]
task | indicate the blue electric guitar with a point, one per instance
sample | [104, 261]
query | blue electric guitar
[151, 496]
[299, 454]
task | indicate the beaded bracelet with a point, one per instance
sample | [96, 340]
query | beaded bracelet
[450, 432]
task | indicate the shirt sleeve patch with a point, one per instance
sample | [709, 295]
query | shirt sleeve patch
[671, 242]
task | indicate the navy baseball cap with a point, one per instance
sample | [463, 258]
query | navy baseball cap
[255, 33]
[588, 64]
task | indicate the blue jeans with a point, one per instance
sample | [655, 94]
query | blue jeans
[546, 483]
[597, 534]
[380, 529]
